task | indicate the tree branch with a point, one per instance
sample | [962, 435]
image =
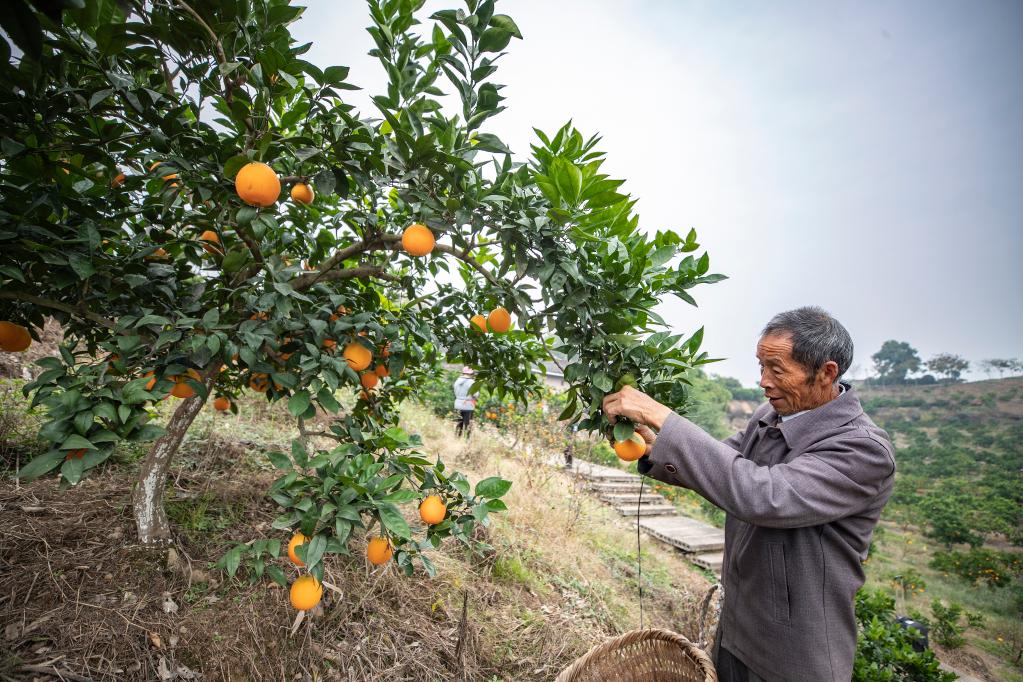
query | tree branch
[57, 305]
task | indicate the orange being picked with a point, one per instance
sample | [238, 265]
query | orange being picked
[306, 592]
[257, 184]
[358, 356]
[432, 510]
[379, 551]
[417, 240]
[209, 239]
[499, 320]
[14, 338]
[302, 193]
[631, 449]
[221, 404]
[478, 323]
[296, 540]
[382, 371]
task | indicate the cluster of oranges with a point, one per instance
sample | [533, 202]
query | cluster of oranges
[499, 320]
[306, 590]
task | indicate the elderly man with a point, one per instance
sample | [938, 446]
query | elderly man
[803, 486]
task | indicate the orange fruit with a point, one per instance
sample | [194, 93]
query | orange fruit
[306, 592]
[379, 551]
[296, 540]
[302, 193]
[211, 237]
[358, 356]
[151, 382]
[329, 344]
[159, 254]
[75, 454]
[182, 390]
[631, 448]
[221, 404]
[118, 180]
[14, 338]
[432, 510]
[382, 371]
[369, 380]
[478, 323]
[257, 184]
[417, 240]
[499, 320]
[166, 178]
[259, 383]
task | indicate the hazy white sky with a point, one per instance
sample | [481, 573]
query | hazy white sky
[864, 157]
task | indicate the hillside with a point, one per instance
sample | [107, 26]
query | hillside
[561, 577]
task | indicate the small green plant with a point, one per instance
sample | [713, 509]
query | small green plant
[947, 625]
[884, 649]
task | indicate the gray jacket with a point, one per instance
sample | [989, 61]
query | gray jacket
[802, 499]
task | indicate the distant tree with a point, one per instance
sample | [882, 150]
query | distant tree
[949, 365]
[950, 520]
[895, 360]
[1002, 365]
[738, 391]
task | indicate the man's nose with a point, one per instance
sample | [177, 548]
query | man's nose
[764, 381]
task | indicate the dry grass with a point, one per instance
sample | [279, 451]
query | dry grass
[78, 600]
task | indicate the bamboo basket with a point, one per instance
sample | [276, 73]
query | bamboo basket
[652, 655]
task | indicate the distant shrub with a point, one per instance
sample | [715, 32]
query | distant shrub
[989, 566]
[884, 649]
[19, 425]
[947, 623]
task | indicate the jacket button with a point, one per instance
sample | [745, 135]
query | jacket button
[670, 468]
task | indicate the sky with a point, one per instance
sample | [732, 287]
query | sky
[863, 157]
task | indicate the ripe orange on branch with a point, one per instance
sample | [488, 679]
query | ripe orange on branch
[358, 356]
[631, 448]
[257, 184]
[259, 383]
[499, 320]
[306, 592]
[221, 404]
[417, 240]
[432, 510]
[478, 322]
[14, 338]
[209, 237]
[379, 551]
[302, 193]
[382, 371]
[296, 540]
[369, 380]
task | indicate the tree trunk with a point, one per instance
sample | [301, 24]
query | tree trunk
[150, 517]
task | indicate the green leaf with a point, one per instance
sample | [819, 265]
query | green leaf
[314, 549]
[623, 430]
[298, 403]
[504, 21]
[327, 400]
[40, 465]
[602, 381]
[494, 39]
[76, 442]
[492, 487]
[231, 168]
[392, 520]
[232, 559]
[279, 459]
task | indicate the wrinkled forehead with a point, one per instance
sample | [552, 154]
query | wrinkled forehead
[776, 347]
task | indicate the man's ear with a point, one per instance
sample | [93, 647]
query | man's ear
[828, 373]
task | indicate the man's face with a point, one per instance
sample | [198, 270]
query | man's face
[783, 379]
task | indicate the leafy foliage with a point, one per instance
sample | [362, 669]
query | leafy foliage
[895, 360]
[884, 649]
[123, 133]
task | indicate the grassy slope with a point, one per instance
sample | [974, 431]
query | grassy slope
[563, 576]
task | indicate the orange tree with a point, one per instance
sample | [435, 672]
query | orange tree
[131, 214]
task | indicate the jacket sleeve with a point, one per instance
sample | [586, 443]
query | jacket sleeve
[835, 480]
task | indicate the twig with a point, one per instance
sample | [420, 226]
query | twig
[57, 305]
[56, 672]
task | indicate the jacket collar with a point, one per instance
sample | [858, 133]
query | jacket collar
[830, 415]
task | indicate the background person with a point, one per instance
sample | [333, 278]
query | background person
[802, 486]
[464, 402]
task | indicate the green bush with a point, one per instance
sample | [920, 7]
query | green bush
[990, 566]
[884, 649]
[947, 626]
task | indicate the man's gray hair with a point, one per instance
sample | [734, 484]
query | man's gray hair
[816, 338]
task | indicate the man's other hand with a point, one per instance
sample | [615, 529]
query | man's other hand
[637, 407]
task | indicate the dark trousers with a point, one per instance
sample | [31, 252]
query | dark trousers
[464, 423]
[731, 669]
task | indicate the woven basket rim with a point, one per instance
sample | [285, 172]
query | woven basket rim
[698, 654]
